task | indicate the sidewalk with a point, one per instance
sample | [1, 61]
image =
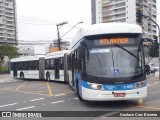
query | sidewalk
[155, 77]
[5, 78]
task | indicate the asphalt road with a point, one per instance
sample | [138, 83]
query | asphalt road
[30, 95]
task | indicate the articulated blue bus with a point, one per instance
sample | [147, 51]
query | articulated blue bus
[106, 62]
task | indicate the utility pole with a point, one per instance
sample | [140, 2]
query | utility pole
[59, 39]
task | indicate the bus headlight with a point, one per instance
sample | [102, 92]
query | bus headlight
[95, 86]
[139, 84]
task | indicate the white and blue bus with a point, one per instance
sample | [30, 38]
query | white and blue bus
[27, 67]
[106, 62]
[51, 67]
[56, 66]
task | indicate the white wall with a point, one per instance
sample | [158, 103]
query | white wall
[40, 49]
[98, 11]
[131, 11]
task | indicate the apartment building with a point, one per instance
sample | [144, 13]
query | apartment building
[125, 11]
[8, 25]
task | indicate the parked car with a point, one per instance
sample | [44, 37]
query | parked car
[154, 67]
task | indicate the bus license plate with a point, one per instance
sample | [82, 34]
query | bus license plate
[119, 94]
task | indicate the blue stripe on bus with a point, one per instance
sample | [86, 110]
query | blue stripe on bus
[110, 87]
[107, 87]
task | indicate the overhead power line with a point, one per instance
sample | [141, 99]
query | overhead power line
[35, 23]
[36, 19]
[31, 20]
[40, 40]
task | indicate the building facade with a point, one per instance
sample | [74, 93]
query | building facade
[8, 22]
[126, 11]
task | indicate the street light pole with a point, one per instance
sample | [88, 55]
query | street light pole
[158, 38]
[59, 39]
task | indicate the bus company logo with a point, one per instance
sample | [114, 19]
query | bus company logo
[130, 86]
[6, 114]
[109, 87]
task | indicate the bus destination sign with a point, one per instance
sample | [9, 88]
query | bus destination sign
[111, 41]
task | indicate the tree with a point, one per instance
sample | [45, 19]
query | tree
[7, 50]
[153, 51]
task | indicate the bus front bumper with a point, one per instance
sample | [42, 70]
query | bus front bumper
[100, 95]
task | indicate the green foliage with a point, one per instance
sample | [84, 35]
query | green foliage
[7, 50]
[4, 68]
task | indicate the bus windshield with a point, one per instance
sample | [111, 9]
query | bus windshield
[110, 57]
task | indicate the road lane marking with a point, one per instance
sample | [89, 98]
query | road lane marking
[152, 108]
[26, 92]
[59, 95]
[21, 86]
[32, 93]
[75, 98]
[8, 105]
[151, 85]
[37, 99]
[62, 94]
[154, 92]
[35, 84]
[49, 89]
[57, 102]
[25, 108]
[157, 82]
[153, 101]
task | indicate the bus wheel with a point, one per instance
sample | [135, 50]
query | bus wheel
[22, 76]
[77, 87]
[48, 77]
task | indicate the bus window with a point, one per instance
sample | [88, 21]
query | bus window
[61, 63]
[47, 64]
[51, 63]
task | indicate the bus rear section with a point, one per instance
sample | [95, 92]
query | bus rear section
[29, 67]
[106, 67]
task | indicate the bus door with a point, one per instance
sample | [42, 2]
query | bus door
[41, 67]
[14, 69]
[57, 68]
[73, 55]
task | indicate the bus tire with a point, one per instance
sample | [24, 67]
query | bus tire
[48, 77]
[22, 76]
[77, 87]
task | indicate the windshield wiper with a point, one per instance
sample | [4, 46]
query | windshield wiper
[127, 51]
[85, 45]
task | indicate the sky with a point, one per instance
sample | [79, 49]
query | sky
[37, 19]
